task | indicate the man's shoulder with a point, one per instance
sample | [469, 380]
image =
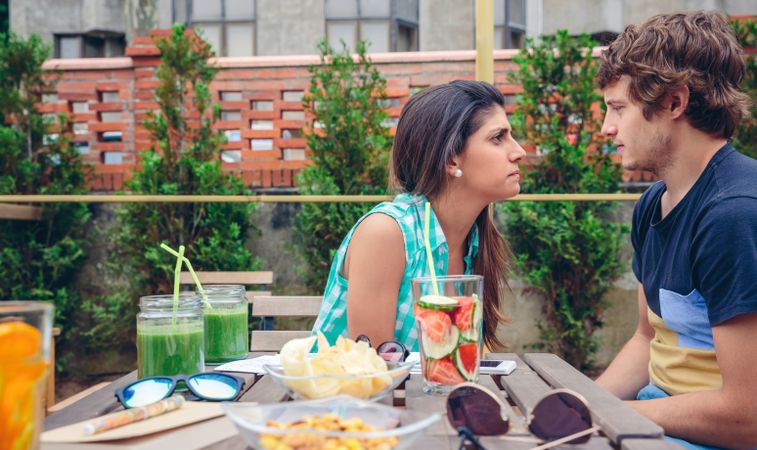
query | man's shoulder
[735, 176]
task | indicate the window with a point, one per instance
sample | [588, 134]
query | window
[262, 105]
[509, 23]
[292, 96]
[233, 135]
[231, 96]
[228, 25]
[113, 158]
[387, 25]
[109, 97]
[81, 128]
[79, 107]
[261, 144]
[95, 44]
[110, 117]
[293, 115]
[231, 115]
[261, 124]
[231, 156]
[294, 154]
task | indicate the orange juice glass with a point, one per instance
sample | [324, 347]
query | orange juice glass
[25, 329]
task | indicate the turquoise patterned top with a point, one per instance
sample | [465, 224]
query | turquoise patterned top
[408, 211]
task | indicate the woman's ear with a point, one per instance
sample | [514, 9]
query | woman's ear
[453, 167]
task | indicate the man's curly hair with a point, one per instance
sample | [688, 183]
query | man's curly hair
[669, 51]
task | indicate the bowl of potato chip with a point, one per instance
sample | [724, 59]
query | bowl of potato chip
[346, 368]
[337, 422]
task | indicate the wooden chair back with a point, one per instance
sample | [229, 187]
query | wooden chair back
[281, 307]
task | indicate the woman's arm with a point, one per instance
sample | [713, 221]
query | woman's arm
[374, 266]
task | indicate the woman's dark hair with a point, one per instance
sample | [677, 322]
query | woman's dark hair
[433, 128]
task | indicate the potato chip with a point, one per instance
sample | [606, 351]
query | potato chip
[345, 358]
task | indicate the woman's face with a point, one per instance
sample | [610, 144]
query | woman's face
[489, 161]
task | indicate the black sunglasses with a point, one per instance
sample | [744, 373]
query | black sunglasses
[389, 351]
[212, 386]
[561, 416]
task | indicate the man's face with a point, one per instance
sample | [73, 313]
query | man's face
[642, 144]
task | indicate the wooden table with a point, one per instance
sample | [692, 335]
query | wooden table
[537, 373]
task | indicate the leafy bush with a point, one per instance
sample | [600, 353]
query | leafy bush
[569, 252]
[746, 135]
[38, 259]
[349, 149]
[184, 160]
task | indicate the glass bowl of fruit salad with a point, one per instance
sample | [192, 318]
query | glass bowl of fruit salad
[328, 423]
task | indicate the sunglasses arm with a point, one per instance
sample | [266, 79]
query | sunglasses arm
[566, 438]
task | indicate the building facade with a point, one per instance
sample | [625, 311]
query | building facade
[103, 28]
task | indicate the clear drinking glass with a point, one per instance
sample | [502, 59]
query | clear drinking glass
[25, 328]
[449, 319]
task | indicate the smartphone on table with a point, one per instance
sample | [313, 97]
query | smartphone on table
[496, 367]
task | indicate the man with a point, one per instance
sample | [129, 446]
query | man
[671, 87]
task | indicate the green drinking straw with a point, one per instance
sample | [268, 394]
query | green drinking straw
[191, 272]
[176, 274]
[429, 255]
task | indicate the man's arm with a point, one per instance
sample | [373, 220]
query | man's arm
[726, 417]
[629, 371]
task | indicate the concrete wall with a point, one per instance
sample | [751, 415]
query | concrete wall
[289, 27]
[446, 25]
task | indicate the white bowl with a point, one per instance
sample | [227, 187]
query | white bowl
[406, 426]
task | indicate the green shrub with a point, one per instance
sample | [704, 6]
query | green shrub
[349, 150]
[746, 135]
[184, 160]
[569, 252]
[39, 260]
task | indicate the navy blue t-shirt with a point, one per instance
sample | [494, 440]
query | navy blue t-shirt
[698, 265]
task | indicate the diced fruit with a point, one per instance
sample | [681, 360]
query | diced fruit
[466, 360]
[464, 313]
[443, 347]
[443, 371]
[437, 302]
[435, 324]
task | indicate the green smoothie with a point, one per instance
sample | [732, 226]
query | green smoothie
[225, 335]
[168, 350]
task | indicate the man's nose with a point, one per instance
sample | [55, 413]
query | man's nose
[608, 129]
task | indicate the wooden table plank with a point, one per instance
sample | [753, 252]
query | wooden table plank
[617, 420]
[649, 444]
[524, 386]
[104, 400]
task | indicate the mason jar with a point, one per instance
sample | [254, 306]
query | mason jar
[225, 323]
[170, 339]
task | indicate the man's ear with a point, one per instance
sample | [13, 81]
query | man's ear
[679, 101]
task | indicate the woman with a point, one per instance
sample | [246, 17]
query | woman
[453, 148]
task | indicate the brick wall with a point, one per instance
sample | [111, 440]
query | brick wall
[260, 99]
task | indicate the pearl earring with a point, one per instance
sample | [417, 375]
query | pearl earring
[458, 173]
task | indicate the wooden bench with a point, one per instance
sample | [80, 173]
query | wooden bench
[281, 307]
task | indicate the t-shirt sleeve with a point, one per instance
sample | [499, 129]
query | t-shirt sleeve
[724, 258]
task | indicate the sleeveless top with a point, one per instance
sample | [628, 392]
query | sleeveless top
[408, 210]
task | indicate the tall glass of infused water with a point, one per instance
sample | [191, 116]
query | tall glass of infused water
[449, 319]
[25, 329]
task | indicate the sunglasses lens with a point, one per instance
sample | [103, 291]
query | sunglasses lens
[214, 386]
[146, 391]
[558, 415]
[476, 410]
[391, 351]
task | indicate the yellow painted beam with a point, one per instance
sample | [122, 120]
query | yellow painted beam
[485, 40]
[283, 198]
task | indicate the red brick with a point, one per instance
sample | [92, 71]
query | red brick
[144, 95]
[107, 107]
[109, 146]
[290, 143]
[144, 73]
[112, 85]
[142, 40]
[259, 134]
[75, 87]
[289, 106]
[266, 182]
[228, 125]
[77, 96]
[146, 105]
[146, 84]
[146, 62]
[262, 115]
[264, 95]
[238, 145]
[234, 105]
[107, 126]
[142, 51]
[122, 74]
